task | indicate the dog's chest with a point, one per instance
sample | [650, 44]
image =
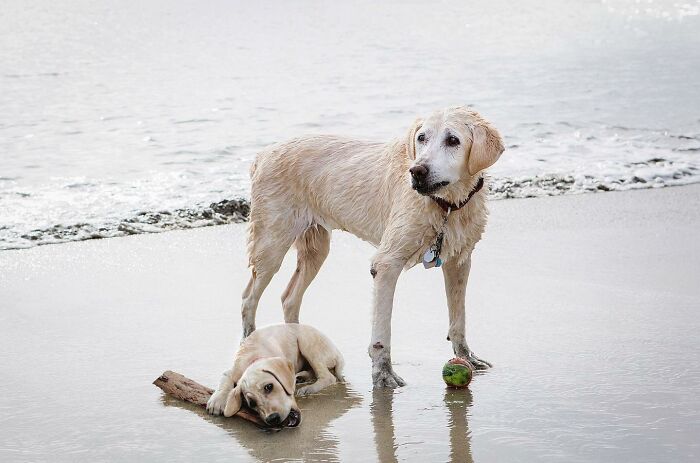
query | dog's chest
[462, 230]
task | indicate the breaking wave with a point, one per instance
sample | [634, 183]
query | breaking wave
[652, 173]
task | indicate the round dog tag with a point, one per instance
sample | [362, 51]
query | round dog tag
[429, 255]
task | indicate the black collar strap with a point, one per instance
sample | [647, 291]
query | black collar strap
[448, 206]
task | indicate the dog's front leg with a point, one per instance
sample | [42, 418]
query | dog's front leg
[456, 274]
[217, 401]
[385, 271]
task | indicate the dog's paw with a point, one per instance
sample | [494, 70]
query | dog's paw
[462, 351]
[304, 377]
[217, 402]
[306, 390]
[477, 363]
[383, 374]
[386, 378]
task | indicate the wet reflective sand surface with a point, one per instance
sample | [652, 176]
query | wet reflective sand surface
[586, 305]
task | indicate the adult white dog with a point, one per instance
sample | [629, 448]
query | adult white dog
[418, 197]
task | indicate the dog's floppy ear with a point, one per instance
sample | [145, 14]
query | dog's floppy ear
[233, 402]
[411, 140]
[283, 370]
[487, 146]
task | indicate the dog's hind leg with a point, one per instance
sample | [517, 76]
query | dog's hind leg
[323, 381]
[304, 376]
[266, 255]
[324, 377]
[312, 249]
[339, 368]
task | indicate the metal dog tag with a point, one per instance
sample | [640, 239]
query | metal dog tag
[431, 258]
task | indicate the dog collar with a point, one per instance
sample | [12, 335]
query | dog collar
[447, 206]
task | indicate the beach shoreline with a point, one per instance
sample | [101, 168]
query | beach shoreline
[235, 210]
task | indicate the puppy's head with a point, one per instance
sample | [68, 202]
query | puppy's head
[450, 145]
[267, 387]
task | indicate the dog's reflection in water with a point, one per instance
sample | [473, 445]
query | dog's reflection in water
[312, 440]
[457, 403]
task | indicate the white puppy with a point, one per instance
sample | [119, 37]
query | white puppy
[265, 370]
[419, 193]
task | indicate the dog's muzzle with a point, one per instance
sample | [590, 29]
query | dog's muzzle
[420, 180]
[426, 189]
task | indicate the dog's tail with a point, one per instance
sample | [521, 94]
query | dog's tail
[253, 166]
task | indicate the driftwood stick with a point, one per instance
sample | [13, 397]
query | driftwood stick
[183, 388]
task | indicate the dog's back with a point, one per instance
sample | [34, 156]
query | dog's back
[330, 181]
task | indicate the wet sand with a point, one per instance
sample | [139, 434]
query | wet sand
[587, 306]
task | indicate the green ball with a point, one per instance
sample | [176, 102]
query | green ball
[457, 373]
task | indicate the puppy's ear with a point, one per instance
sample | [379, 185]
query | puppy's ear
[233, 402]
[411, 139]
[283, 370]
[487, 146]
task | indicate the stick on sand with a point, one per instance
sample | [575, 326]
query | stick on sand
[183, 388]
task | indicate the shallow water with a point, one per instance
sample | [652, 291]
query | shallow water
[587, 306]
[111, 109]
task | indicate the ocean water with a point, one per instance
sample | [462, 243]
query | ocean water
[123, 117]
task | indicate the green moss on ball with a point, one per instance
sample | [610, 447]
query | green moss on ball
[457, 373]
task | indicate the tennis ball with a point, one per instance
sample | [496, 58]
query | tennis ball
[457, 372]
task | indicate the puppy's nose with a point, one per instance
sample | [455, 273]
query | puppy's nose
[273, 419]
[419, 171]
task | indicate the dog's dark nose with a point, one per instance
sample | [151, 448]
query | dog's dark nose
[273, 419]
[419, 172]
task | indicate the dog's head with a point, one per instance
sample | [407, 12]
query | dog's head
[450, 145]
[267, 387]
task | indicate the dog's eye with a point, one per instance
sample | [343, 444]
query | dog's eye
[421, 137]
[268, 387]
[452, 141]
[252, 403]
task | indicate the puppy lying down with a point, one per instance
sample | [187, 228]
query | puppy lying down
[266, 369]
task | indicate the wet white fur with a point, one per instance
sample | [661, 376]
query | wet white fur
[306, 187]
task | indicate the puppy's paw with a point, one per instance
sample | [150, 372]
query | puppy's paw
[304, 377]
[217, 402]
[306, 390]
